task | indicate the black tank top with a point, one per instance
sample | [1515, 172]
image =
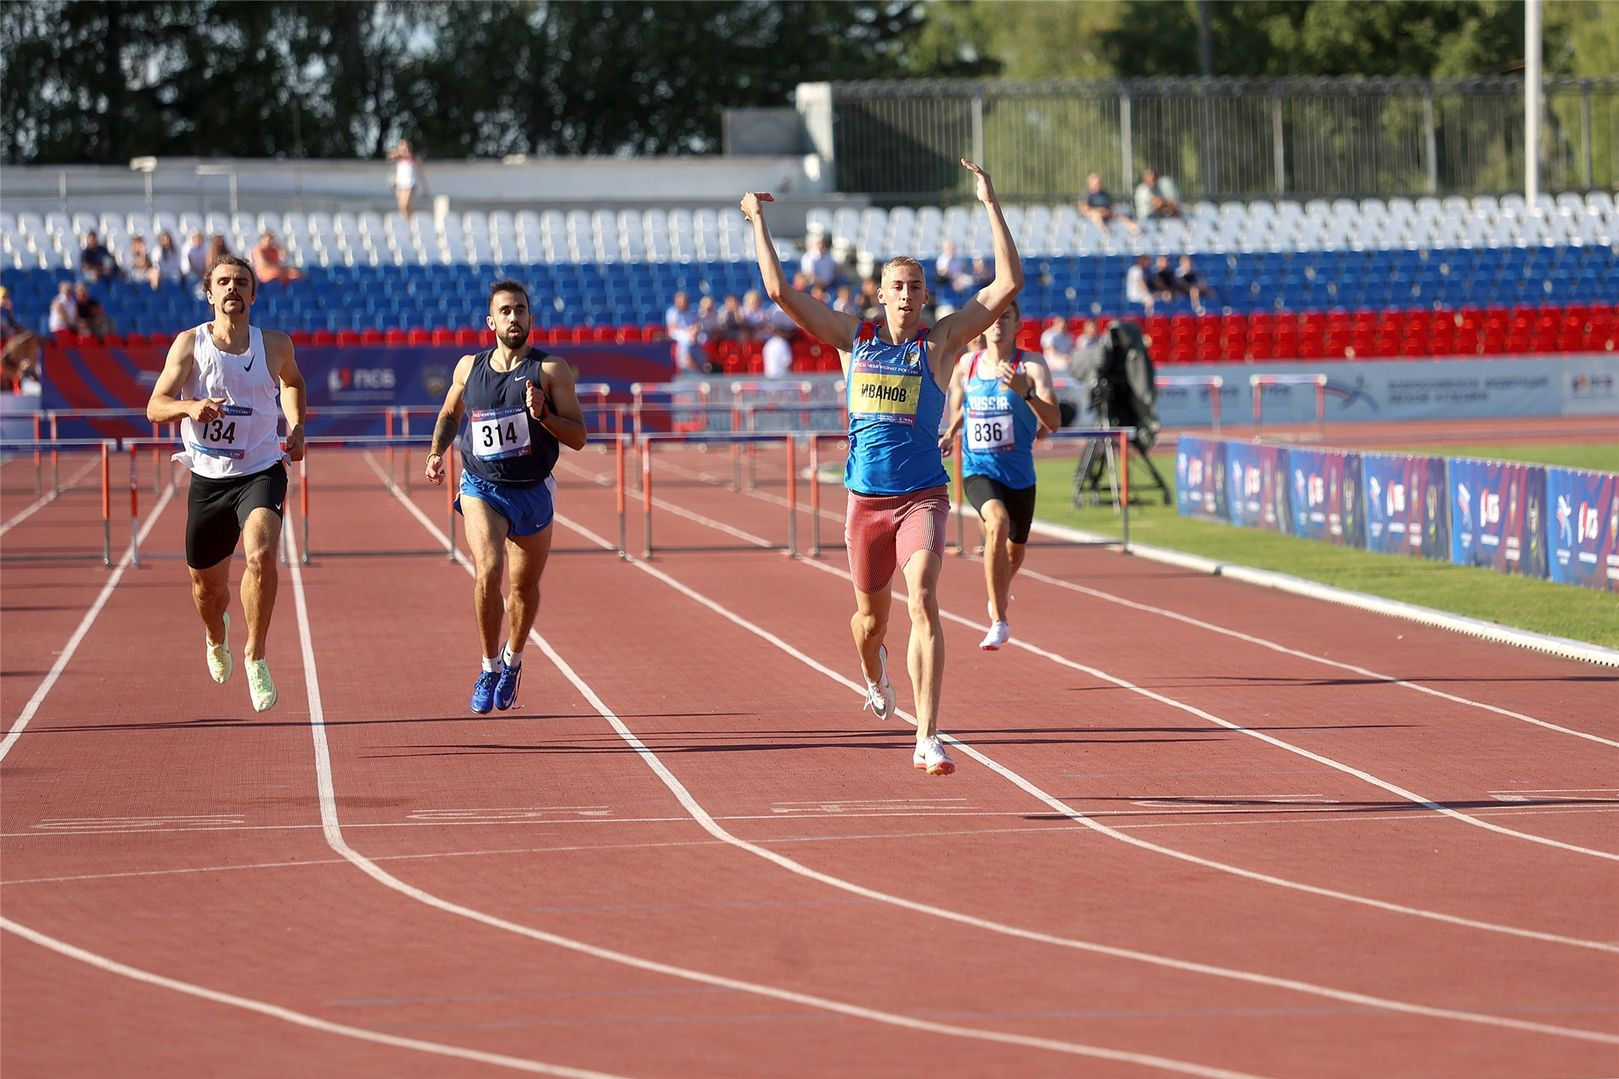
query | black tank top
[501, 442]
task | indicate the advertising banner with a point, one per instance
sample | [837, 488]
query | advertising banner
[1583, 532]
[1327, 500]
[1200, 488]
[1256, 486]
[1407, 508]
[1497, 515]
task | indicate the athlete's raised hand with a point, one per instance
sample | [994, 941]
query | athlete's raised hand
[982, 190]
[752, 203]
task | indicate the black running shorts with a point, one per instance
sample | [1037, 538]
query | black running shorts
[1019, 503]
[219, 510]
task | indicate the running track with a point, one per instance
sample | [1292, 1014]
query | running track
[1198, 828]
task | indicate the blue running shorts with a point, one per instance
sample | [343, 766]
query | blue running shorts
[528, 510]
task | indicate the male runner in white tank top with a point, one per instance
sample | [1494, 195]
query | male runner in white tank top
[223, 381]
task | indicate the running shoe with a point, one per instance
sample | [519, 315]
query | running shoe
[483, 691]
[999, 633]
[931, 757]
[880, 697]
[506, 687]
[220, 663]
[259, 685]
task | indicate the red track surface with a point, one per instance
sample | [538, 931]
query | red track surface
[1197, 827]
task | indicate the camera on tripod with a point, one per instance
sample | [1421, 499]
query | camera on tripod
[1124, 394]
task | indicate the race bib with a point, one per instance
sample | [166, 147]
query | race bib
[500, 432]
[884, 396]
[217, 437]
[988, 431]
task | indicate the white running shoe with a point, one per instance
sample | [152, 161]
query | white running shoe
[999, 633]
[931, 757]
[220, 663]
[259, 685]
[880, 697]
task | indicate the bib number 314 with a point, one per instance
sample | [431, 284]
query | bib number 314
[501, 432]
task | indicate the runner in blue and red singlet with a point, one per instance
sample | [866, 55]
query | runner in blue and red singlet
[896, 370]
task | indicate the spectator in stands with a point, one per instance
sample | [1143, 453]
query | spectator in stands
[819, 262]
[1193, 284]
[217, 249]
[407, 175]
[95, 261]
[1098, 207]
[64, 313]
[269, 261]
[871, 304]
[170, 268]
[142, 270]
[194, 259]
[952, 270]
[778, 354]
[1162, 282]
[93, 318]
[731, 326]
[1157, 197]
[755, 316]
[845, 302]
[1135, 285]
[680, 321]
[708, 322]
[1057, 345]
[20, 364]
[9, 326]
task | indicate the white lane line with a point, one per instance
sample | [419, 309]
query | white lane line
[1339, 766]
[333, 829]
[72, 646]
[1147, 608]
[710, 825]
[287, 1015]
[45, 499]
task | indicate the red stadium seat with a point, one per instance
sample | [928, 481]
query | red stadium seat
[419, 337]
[443, 337]
[470, 337]
[397, 337]
[323, 339]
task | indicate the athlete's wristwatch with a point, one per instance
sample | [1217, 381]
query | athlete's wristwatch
[1028, 393]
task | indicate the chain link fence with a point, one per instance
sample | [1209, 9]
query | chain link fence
[1220, 139]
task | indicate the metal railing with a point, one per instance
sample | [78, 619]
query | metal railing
[1220, 138]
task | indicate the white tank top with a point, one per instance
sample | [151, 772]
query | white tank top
[243, 440]
[405, 173]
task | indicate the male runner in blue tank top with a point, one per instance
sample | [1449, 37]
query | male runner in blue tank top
[895, 371]
[1003, 396]
[520, 407]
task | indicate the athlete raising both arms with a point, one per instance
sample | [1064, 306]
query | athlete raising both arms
[896, 371]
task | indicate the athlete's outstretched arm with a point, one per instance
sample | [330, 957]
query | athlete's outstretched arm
[811, 315]
[449, 420]
[284, 366]
[979, 313]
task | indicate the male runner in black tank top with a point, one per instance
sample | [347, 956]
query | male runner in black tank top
[520, 406]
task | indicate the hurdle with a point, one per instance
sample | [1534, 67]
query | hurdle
[1213, 383]
[106, 446]
[649, 441]
[1259, 382]
[388, 442]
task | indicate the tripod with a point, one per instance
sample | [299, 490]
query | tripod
[1101, 459]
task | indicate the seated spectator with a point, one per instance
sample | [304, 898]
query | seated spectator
[754, 315]
[9, 326]
[64, 313]
[1135, 284]
[1163, 283]
[269, 261]
[93, 318]
[20, 365]
[952, 270]
[1157, 197]
[681, 323]
[217, 248]
[1098, 207]
[1193, 284]
[194, 259]
[871, 308]
[708, 321]
[846, 303]
[1057, 345]
[819, 262]
[142, 270]
[778, 354]
[95, 261]
[731, 326]
[170, 268]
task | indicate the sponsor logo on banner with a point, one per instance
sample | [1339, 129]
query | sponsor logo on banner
[361, 383]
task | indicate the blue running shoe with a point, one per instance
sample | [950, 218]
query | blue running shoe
[506, 688]
[483, 691]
